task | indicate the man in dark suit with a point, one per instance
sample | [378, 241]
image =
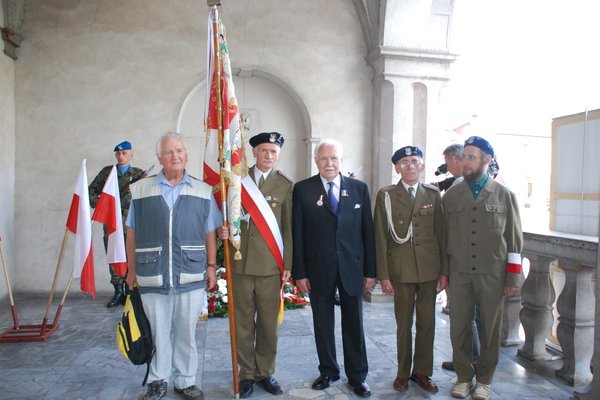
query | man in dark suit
[334, 248]
[412, 263]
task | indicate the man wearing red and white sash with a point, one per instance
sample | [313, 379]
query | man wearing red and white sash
[266, 247]
[484, 239]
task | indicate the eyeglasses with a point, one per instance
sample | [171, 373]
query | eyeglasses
[412, 163]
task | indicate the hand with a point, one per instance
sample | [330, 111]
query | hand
[223, 232]
[303, 284]
[131, 281]
[386, 286]
[285, 276]
[510, 291]
[369, 282]
[211, 275]
[442, 283]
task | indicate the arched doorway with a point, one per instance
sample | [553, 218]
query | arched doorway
[266, 104]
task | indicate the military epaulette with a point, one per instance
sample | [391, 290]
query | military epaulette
[285, 176]
[430, 187]
[388, 188]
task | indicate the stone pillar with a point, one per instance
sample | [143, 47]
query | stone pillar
[12, 32]
[537, 296]
[576, 324]
[594, 387]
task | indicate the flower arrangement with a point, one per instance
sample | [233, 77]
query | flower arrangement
[217, 296]
[293, 297]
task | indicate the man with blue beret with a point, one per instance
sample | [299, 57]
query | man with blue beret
[412, 265]
[126, 174]
[484, 245]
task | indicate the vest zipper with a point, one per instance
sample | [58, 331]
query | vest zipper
[171, 247]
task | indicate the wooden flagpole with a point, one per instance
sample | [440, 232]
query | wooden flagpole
[227, 255]
[36, 332]
[56, 272]
[13, 309]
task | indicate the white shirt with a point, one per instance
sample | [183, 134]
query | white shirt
[258, 173]
[415, 187]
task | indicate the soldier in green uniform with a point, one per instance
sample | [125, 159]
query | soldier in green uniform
[127, 174]
[257, 277]
[412, 265]
[485, 240]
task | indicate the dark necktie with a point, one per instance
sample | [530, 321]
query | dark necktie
[411, 191]
[261, 181]
[333, 201]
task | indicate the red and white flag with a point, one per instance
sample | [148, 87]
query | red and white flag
[79, 223]
[233, 165]
[108, 212]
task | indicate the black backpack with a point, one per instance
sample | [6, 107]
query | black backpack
[134, 336]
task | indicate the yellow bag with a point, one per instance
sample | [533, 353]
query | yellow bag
[134, 335]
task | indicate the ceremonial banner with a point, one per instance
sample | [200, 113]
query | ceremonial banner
[79, 223]
[233, 165]
[108, 212]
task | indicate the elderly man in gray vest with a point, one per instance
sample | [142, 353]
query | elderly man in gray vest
[172, 250]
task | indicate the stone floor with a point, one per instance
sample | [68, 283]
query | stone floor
[80, 360]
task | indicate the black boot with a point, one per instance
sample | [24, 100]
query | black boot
[125, 293]
[118, 298]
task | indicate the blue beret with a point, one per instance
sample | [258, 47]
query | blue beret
[480, 143]
[406, 151]
[123, 146]
[267, 137]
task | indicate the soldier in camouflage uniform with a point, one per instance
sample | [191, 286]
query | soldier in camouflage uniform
[126, 174]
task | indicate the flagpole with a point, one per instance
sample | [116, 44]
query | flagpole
[13, 309]
[227, 255]
[56, 272]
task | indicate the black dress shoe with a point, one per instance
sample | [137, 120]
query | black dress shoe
[246, 388]
[270, 385]
[322, 382]
[360, 388]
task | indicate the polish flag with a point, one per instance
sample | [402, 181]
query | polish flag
[79, 223]
[108, 212]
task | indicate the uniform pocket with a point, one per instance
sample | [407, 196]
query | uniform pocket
[147, 269]
[193, 260]
[496, 216]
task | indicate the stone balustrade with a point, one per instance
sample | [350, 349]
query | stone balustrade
[577, 257]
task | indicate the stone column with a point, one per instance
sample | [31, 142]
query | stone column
[594, 387]
[12, 32]
[537, 297]
[576, 324]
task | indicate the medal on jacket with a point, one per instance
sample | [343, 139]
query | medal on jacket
[344, 193]
[320, 201]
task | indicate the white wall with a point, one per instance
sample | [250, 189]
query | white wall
[7, 162]
[91, 74]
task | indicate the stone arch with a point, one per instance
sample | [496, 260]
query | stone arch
[267, 103]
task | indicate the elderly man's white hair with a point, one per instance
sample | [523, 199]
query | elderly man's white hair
[169, 135]
[330, 142]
